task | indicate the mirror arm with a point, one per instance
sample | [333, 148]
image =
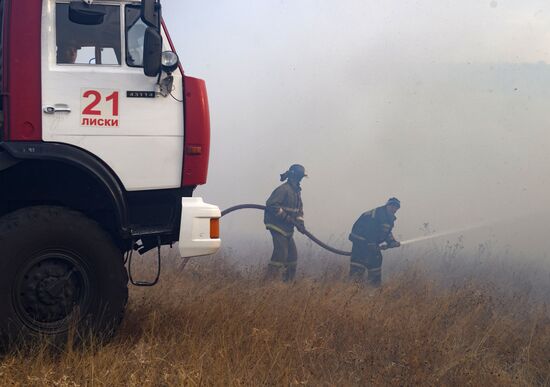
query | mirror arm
[159, 77]
[165, 86]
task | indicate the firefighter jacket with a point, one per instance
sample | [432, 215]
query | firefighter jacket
[284, 209]
[374, 227]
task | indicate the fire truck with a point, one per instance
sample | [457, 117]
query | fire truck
[103, 139]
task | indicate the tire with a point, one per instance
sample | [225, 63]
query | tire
[59, 273]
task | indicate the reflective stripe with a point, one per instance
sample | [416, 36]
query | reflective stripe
[281, 210]
[375, 270]
[373, 214]
[278, 229]
[289, 209]
[368, 213]
[355, 236]
[293, 263]
[357, 264]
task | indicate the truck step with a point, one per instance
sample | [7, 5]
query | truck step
[150, 231]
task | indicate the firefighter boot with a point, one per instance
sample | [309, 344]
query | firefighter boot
[289, 273]
[356, 271]
[374, 277]
[273, 271]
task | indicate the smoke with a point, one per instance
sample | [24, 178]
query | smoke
[442, 104]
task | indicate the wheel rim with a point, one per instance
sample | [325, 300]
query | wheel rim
[52, 290]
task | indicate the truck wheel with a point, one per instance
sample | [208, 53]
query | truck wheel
[59, 273]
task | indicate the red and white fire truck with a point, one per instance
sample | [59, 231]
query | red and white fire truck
[103, 139]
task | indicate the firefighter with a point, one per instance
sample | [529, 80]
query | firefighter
[284, 212]
[373, 228]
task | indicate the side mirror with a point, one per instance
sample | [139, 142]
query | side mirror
[152, 51]
[150, 12]
[87, 14]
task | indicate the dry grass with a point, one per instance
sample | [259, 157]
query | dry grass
[215, 325]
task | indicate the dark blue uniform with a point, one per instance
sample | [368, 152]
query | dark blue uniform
[369, 231]
[284, 210]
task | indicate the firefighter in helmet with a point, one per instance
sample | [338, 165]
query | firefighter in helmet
[284, 212]
[372, 229]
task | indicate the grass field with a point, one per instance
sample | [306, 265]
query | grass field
[213, 324]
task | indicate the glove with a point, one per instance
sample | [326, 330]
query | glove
[299, 223]
[281, 214]
[393, 245]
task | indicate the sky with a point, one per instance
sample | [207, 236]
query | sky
[443, 104]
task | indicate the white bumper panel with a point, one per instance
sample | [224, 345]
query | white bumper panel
[195, 228]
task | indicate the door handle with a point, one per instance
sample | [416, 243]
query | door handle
[57, 108]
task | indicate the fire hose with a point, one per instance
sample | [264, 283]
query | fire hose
[305, 232]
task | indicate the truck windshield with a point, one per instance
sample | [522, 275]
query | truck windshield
[88, 44]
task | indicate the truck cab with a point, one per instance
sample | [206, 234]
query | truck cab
[104, 137]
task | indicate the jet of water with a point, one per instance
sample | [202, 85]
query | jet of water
[450, 232]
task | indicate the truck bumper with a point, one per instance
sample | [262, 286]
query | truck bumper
[199, 228]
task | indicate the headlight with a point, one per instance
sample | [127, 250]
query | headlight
[169, 61]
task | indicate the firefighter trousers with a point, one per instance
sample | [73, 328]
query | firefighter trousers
[284, 258]
[369, 259]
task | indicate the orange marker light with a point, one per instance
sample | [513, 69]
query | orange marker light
[193, 150]
[215, 228]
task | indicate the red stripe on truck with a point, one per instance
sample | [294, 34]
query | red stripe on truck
[23, 83]
[197, 132]
[171, 43]
[196, 149]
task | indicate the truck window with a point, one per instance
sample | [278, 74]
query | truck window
[88, 44]
[135, 32]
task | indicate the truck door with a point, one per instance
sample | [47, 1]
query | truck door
[95, 95]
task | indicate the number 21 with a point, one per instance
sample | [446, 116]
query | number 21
[96, 95]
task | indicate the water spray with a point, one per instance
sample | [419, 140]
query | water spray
[449, 232]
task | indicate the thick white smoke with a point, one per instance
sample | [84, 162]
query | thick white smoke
[440, 103]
